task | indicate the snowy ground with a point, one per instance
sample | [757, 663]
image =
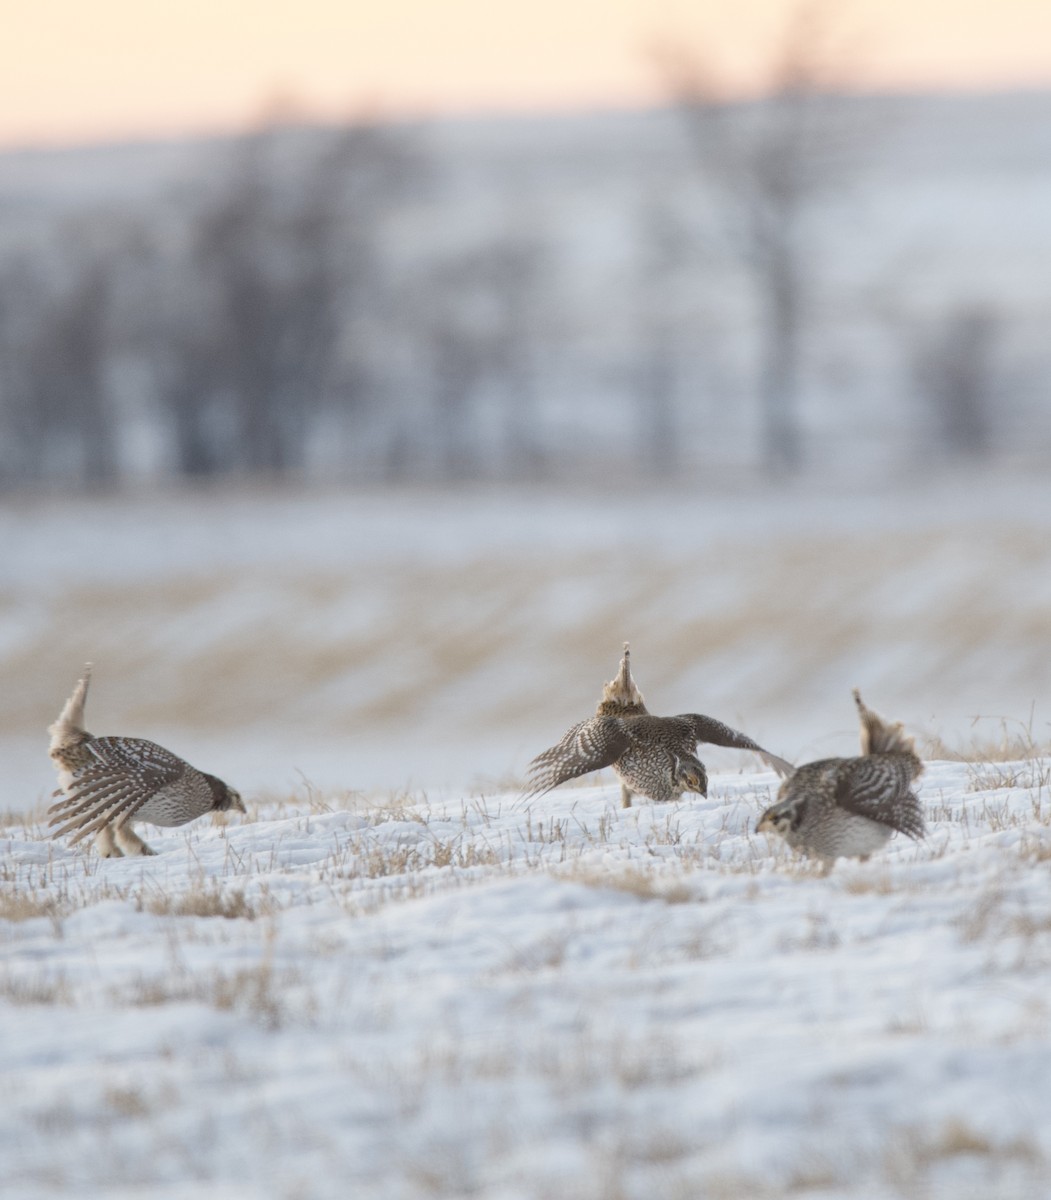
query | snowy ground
[393, 979]
[337, 996]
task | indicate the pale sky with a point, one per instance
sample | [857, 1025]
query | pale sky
[76, 70]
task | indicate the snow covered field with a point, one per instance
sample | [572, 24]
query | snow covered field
[394, 979]
[336, 996]
[438, 640]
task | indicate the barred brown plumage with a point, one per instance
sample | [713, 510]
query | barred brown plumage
[108, 782]
[849, 807]
[652, 756]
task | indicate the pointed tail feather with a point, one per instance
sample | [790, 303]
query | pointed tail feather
[880, 736]
[69, 728]
[621, 695]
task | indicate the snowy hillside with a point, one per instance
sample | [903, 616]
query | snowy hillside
[340, 997]
[438, 640]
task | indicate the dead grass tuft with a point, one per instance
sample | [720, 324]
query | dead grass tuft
[995, 917]
[368, 856]
[907, 1024]
[1036, 848]
[876, 883]
[25, 906]
[816, 934]
[956, 1138]
[29, 820]
[815, 1175]
[254, 990]
[1010, 741]
[210, 900]
[547, 952]
[258, 992]
[32, 990]
[646, 885]
[989, 776]
[983, 917]
[126, 1102]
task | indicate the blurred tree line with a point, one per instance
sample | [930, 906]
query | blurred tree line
[274, 313]
[290, 313]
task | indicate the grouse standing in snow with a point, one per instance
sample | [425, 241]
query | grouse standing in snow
[108, 782]
[652, 756]
[849, 807]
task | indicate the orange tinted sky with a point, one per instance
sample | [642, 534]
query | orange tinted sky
[72, 70]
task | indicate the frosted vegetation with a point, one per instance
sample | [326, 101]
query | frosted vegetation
[406, 997]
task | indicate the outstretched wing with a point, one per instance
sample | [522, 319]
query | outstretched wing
[123, 775]
[878, 788]
[592, 744]
[708, 729]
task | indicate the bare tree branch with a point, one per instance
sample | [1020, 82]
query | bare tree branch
[766, 163]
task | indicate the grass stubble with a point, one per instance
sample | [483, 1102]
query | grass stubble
[401, 847]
